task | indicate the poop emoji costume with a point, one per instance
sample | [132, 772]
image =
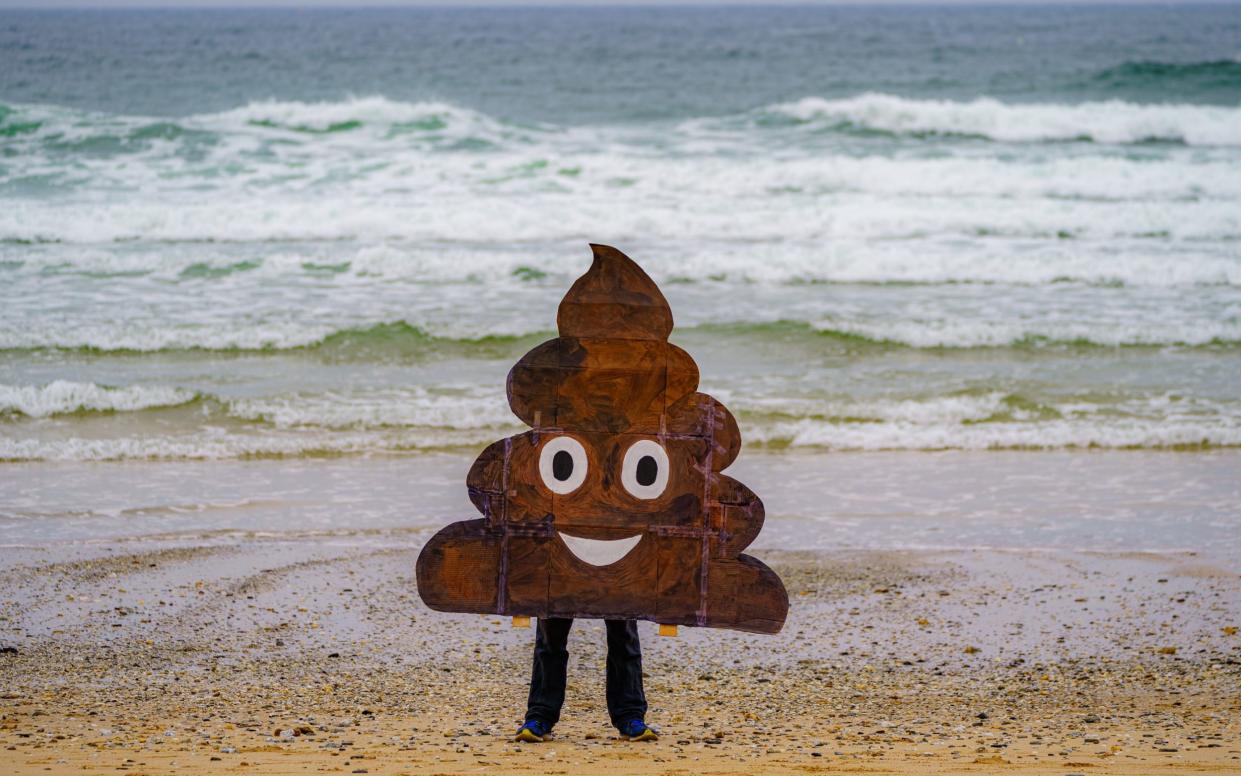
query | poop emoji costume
[614, 504]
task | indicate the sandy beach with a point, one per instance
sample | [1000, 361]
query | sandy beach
[255, 653]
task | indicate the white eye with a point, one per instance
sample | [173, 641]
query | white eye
[644, 472]
[562, 464]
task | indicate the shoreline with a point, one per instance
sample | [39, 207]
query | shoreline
[1103, 500]
[891, 661]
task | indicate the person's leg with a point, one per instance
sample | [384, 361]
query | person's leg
[626, 700]
[551, 661]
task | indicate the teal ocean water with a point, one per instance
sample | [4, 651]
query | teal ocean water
[230, 235]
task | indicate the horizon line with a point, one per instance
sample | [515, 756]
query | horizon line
[445, 5]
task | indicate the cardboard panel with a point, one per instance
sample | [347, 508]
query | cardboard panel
[485, 482]
[458, 569]
[528, 575]
[746, 595]
[625, 589]
[682, 376]
[527, 500]
[615, 299]
[741, 513]
[531, 388]
[604, 501]
[611, 400]
[679, 586]
[699, 415]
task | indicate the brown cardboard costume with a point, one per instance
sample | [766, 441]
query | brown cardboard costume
[614, 505]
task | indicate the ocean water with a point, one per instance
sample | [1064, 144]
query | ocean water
[278, 234]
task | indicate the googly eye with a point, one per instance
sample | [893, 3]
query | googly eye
[644, 472]
[562, 464]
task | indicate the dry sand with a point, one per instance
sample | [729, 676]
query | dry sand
[236, 653]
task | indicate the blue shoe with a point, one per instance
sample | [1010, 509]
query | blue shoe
[637, 730]
[532, 731]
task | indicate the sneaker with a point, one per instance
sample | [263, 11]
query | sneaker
[532, 732]
[637, 730]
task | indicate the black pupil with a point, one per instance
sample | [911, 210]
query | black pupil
[562, 465]
[647, 470]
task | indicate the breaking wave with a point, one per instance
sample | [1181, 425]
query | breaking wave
[375, 169]
[63, 397]
[381, 339]
[1065, 258]
[1112, 121]
[998, 421]
[397, 339]
[357, 241]
[211, 445]
[403, 421]
[445, 126]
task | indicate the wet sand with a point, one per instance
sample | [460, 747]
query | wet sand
[248, 653]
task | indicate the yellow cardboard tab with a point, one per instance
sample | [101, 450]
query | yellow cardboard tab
[668, 630]
[521, 622]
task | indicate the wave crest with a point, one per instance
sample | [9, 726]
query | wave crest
[373, 112]
[1111, 121]
[391, 339]
[404, 420]
[64, 397]
[1185, 77]
[399, 340]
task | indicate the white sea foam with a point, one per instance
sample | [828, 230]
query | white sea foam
[211, 268]
[415, 227]
[654, 207]
[1112, 121]
[972, 333]
[371, 111]
[397, 171]
[978, 317]
[63, 396]
[997, 421]
[1145, 433]
[215, 444]
[1049, 435]
[397, 421]
[152, 336]
[468, 409]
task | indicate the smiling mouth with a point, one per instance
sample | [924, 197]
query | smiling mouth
[599, 552]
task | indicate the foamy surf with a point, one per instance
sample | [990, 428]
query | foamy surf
[139, 423]
[326, 117]
[977, 257]
[1112, 121]
[861, 269]
[375, 170]
[810, 435]
[973, 329]
[66, 397]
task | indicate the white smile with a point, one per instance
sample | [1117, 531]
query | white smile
[599, 552]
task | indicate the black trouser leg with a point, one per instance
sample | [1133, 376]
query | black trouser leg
[626, 700]
[551, 662]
